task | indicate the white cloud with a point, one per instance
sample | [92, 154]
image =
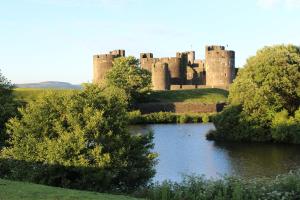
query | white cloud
[271, 4]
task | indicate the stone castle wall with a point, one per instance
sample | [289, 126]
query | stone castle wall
[102, 63]
[180, 107]
[182, 71]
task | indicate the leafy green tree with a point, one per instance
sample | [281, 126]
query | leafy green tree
[269, 82]
[8, 106]
[127, 74]
[83, 129]
[267, 90]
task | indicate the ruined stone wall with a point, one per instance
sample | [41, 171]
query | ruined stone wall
[219, 66]
[103, 63]
[160, 76]
[180, 107]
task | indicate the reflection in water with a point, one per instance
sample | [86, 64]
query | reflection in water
[183, 149]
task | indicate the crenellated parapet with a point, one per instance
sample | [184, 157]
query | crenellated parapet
[182, 71]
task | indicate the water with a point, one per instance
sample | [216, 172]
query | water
[183, 149]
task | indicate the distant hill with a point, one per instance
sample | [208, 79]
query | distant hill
[49, 84]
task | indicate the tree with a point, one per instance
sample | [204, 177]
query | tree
[86, 129]
[8, 106]
[127, 74]
[268, 84]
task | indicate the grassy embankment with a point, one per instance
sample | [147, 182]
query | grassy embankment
[21, 190]
[205, 95]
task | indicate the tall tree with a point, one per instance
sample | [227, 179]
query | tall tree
[8, 106]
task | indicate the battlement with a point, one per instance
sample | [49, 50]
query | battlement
[214, 47]
[217, 69]
[146, 55]
[118, 52]
[103, 56]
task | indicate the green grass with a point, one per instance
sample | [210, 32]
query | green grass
[12, 190]
[204, 95]
[28, 94]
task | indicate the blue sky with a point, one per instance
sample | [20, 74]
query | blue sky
[43, 40]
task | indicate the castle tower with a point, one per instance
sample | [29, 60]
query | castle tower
[103, 63]
[147, 61]
[219, 66]
[175, 70]
[160, 76]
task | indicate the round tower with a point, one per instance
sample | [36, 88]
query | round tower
[174, 66]
[219, 66]
[160, 76]
[101, 65]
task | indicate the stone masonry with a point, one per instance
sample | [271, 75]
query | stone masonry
[179, 72]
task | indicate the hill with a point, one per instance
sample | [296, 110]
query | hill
[49, 84]
[14, 190]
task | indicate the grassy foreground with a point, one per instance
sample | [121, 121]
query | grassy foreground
[13, 190]
[204, 95]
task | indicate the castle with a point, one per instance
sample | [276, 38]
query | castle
[180, 72]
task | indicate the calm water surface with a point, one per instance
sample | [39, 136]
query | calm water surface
[183, 149]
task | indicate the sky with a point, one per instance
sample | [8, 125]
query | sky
[55, 40]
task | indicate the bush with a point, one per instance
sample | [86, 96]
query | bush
[205, 118]
[192, 187]
[127, 74]
[8, 106]
[286, 128]
[264, 98]
[182, 119]
[86, 129]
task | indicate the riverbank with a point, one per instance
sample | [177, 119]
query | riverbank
[285, 186]
[135, 117]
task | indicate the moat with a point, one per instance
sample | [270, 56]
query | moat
[183, 149]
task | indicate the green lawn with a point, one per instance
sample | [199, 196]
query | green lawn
[13, 190]
[204, 95]
[27, 94]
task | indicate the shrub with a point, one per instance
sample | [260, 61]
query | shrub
[192, 187]
[86, 129]
[205, 118]
[127, 74]
[268, 84]
[8, 106]
[182, 118]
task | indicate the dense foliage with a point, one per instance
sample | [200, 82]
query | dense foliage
[83, 130]
[127, 74]
[264, 98]
[193, 188]
[8, 105]
[135, 117]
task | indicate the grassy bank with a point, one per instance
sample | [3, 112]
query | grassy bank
[14, 190]
[204, 95]
[135, 117]
[193, 188]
